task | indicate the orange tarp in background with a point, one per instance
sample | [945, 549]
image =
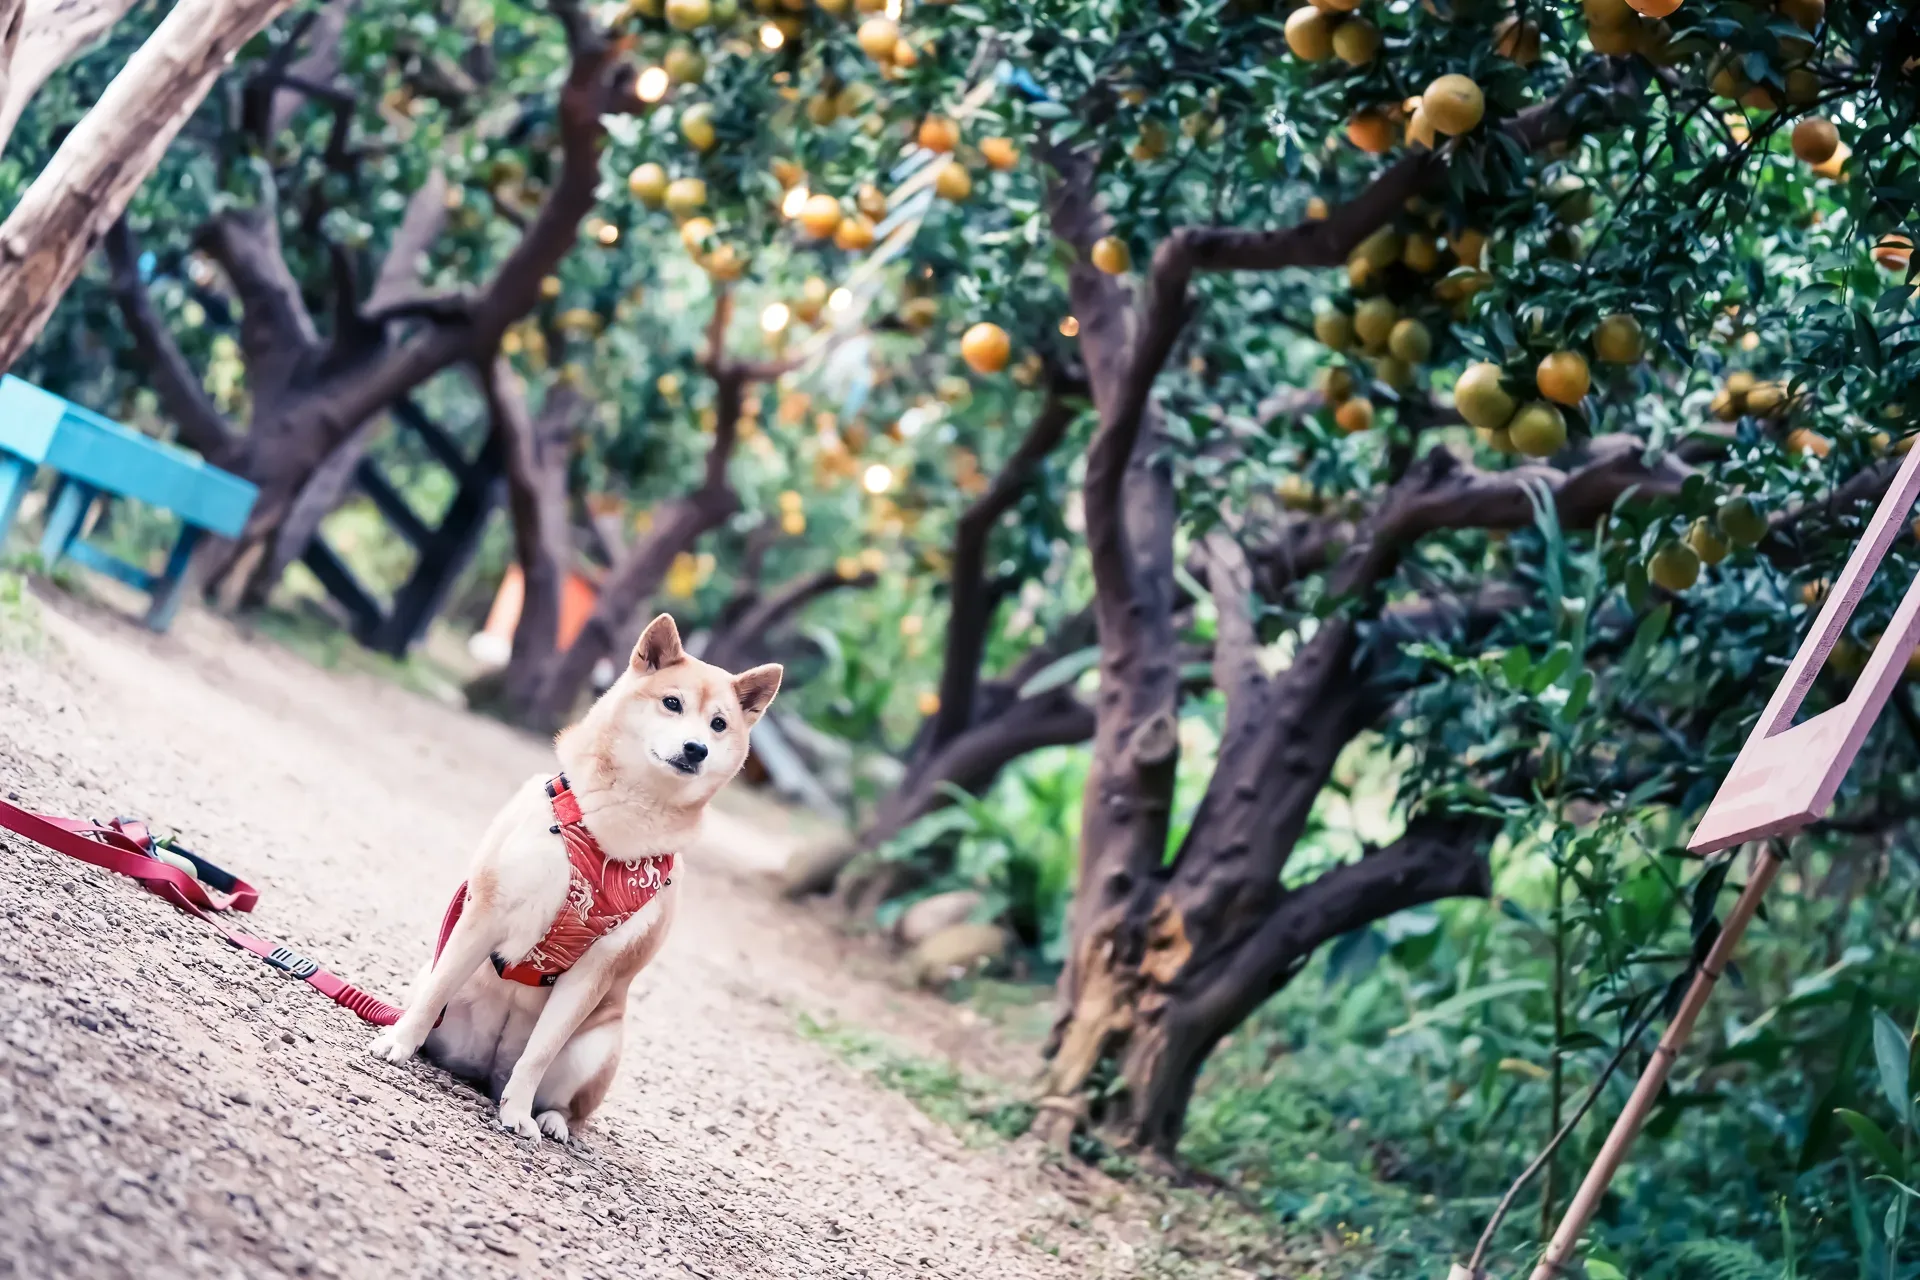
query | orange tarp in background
[577, 598]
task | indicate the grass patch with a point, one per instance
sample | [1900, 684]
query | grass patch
[322, 642]
[20, 629]
[979, 1111]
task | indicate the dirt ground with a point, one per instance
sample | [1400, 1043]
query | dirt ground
[171, 1106]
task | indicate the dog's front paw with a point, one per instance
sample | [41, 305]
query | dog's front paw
[392, 1046]
[520, 1122]
[553, 1124]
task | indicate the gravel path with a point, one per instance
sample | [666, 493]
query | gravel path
[170, 1106]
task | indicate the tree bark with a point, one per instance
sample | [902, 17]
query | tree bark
[13, 22]
[972, 597]
[87, 184]
[538, 451]
[37, 39]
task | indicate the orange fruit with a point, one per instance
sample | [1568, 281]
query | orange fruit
[937, 133]
[1815, 140]
[1110, 255]
[1410, 341]
[820, 215]
[1334, 384]
[1675, 566]
[1000, 152]
[1354, 416]
[684, 195]
[1834, 168]
[1309, 34]
[1894, 252]
[1654, 8]
[985, 347]
[1334, 328]
[1803, 441]
[1619, 340]
[854, 234]
[1563, 377]
[953, 183]
[1517, 40]
[1370, 130]
[1454, 104]
[1538, 430]
[1420, 253]
[1420, 131]
[1468, 245]
[1356, 41]
[696, 126]
[648, 183]
[877, 37]
[1481, 399]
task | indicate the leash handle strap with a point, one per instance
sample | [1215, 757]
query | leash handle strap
[113, 849]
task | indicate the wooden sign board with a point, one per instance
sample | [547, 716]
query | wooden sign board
[1786, 775]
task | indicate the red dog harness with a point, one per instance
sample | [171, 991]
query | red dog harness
[602, 894]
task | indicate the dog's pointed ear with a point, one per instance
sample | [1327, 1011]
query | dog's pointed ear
[659, 646]
[756, 688]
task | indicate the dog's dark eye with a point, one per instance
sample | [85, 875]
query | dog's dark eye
[718, 725]
[672, 704]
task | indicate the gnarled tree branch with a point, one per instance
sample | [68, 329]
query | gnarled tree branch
[201, 425]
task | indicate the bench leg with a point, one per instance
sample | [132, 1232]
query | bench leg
[63, 522]
[16, 475]
[173, 582]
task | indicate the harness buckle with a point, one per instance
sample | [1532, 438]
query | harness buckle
[291, 961]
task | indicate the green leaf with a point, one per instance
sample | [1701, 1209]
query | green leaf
[1577, 697]
[1558, 659]
[1874, 1139]
[1454, 1006]
[1891, 1053]
[1061, 671]
[1516, 665]
[1647, 635]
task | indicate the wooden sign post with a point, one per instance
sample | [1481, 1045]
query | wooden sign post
[1784, 778]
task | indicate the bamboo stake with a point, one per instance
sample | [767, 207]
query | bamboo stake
[1766, 863]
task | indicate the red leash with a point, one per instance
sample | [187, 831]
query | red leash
[127, 848]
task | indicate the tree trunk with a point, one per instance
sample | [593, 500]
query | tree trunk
[13, 22]
[677, 526]
[45, 36]
[318, 498]
[973, 599]
[83, 190]
[537, 453]
[311, 396]
[964, 744]
[1161, 1008]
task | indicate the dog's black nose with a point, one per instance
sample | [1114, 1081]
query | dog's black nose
[694, 751]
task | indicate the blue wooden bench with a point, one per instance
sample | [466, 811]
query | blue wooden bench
[92, 456]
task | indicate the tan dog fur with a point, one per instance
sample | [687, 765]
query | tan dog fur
[549, 1054]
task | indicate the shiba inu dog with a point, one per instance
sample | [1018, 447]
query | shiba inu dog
[572, 890]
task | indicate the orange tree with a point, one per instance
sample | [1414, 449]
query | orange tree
[1636, 255]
